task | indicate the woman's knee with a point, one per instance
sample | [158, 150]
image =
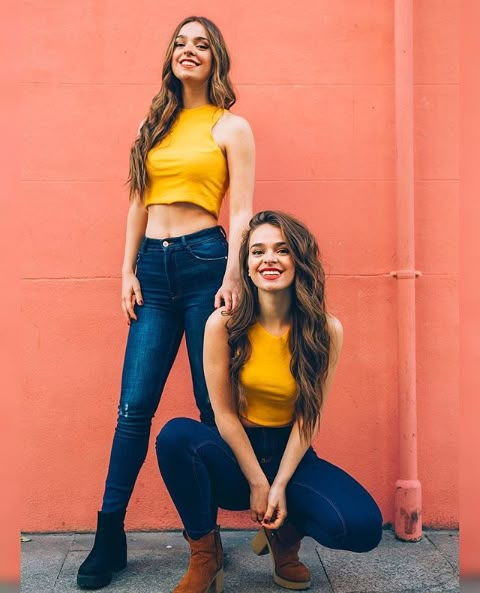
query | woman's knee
[174, 433]
[177, 436]
[364, 532]
[348, 529]
[133, 421]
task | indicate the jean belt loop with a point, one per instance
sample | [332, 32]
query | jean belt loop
[222, 230]
[143, 245]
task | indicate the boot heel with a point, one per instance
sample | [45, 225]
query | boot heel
[259, 543]
[217, 584]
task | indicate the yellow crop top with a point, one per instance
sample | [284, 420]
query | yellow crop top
[188, 165]
[267, 381]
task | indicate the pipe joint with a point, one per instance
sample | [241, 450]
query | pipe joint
[408, 510]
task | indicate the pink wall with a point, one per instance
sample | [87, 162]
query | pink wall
[317, 87]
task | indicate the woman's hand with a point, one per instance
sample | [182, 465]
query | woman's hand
[228, 293]
[259, 500]
[131, 294]
[276, 512]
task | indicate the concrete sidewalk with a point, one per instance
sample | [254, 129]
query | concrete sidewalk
[157, 561]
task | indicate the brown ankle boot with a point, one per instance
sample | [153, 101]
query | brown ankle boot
[283, 544]
[206, 565]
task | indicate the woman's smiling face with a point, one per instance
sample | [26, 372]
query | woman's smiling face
[270, 263]
[192, 54]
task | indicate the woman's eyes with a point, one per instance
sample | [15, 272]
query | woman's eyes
[200, 46]
[282, 251]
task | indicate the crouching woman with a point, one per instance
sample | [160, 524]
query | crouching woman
[269, 367]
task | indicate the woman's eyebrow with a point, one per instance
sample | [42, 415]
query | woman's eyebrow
[194, 39]
[263, 244]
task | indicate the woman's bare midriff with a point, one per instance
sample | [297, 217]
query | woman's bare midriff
[175, 220]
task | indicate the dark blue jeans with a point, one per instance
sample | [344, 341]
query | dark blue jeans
[179, 278]
[202, 474]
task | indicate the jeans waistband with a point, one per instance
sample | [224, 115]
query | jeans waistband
[190, 239]
[268, 442]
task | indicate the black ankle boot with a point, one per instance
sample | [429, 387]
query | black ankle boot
[109, 552]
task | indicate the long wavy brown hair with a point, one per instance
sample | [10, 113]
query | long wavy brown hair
[169, 100]
[309, 339]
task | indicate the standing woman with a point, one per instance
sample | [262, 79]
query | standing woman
[269, 366]
[190, 149]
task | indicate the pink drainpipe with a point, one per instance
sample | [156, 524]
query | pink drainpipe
[408, 493]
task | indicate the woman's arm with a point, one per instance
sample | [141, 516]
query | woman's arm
[216, 359]
[136, 225]
[240, 150]
[296, 446]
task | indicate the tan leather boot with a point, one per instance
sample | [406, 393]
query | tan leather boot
[205, 570]
[283, 545]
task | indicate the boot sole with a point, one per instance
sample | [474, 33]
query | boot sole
[97, 581]
[261, 546]
[290, 584]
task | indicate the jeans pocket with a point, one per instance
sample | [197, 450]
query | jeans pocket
[209, 250]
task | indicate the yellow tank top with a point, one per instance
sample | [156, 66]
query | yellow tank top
[188, 165]
[267, 381]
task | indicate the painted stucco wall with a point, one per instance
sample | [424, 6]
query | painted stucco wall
[316, 85]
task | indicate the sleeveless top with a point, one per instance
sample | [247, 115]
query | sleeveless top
[266, 379]
[188, 165]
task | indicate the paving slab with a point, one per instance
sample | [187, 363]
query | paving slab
[157, 561]
[42, 561]
[393, 567]
[446, 543]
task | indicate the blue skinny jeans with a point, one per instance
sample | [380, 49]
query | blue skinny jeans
[323, 501]
[179, 277]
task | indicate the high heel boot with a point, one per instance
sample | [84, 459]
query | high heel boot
[283, 545]
[205, 569]
[109, 552]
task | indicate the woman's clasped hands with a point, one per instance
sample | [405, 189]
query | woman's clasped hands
[268, 505]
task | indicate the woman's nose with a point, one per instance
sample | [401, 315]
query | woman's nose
[270, 257]
[189, 48]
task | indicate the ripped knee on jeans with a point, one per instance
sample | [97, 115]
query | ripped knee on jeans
[123, 410]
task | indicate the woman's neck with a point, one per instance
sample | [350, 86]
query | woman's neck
[274, 310]
[194, 96]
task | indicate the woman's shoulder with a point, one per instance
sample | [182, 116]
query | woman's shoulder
[334, 324]
[217, 321]
[234, 134]
[235, 124]
[335, 330]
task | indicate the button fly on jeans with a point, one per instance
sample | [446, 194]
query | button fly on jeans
[165, 243]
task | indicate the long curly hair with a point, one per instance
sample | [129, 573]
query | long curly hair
[168, 101]
[309, 339]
